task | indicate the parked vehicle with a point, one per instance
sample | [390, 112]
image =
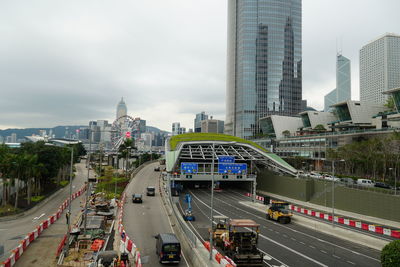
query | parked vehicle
[150, 191]
[157, 169]
[348, 181]
[168, 248]
[137, 198]
[382, 185]
[365, 182]
[315, 175]
[331, 178]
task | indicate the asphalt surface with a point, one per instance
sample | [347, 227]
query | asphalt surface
[143, 221]
[284, 244]
[13, 231]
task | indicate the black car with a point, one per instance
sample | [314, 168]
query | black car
[150, 191]
[137, 198]
[382, 185]
[157, 169]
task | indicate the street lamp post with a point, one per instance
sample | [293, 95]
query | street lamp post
[395, 184]
[68, 216]
[333, 193]
[128, 149]
[88, 183]
[212, 200]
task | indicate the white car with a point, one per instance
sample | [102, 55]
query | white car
[315, 175]
[332, 178]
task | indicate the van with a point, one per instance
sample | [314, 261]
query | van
[168, 248]
[150, 191]
[365, 182]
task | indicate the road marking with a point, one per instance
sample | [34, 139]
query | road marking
[308, 235]
[37, 218]
[351, 262]
[294, 239]
[284, 235]
[275, 242]
[311, 247]
[337, 257]
[302, 243]
[323, 251]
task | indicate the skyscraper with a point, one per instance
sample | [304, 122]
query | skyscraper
[197, 121]
[264, 63]
[379, 68]
[342, 92]
[122, 110]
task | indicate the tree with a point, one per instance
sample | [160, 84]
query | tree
[286, 133]
[319, 128]
[390, 254]
[390, 104]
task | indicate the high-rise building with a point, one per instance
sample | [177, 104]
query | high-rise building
[177, 129]
[122, 110]
[342, 92]
[264, 74]
[212, 126]
[13, 138]
[197, 121]
[379, 68]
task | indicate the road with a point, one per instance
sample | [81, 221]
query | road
[288, 245]
[11, 232]
[143, 221]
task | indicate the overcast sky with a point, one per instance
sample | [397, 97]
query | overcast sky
[68, 62]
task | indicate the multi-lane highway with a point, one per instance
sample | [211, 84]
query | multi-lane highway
[287, 245]
[12, 231]
[142, 221]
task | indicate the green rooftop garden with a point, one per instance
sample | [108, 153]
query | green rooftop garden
[175, 140]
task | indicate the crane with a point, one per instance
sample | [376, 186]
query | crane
[188, 216]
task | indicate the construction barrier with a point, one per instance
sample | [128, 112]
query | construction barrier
[30, 237]
[126, 244]
[221, 259]
[395, 233]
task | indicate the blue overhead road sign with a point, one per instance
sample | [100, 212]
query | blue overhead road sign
[226, 159]
[189, 167]
[233, 168]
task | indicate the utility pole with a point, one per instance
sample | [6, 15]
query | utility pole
[69, 204]
[212, 201]
[88, 183]
[333, 193]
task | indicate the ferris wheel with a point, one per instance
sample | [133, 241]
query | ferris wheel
[122, 128]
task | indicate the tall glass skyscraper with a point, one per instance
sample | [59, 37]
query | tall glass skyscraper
[342, 92]
[264, 63]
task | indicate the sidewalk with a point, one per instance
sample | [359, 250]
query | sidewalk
[328, 210]
[42, 252]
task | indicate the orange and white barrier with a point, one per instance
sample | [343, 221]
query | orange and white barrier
[126, 244]
[379, 229]
[30, 237]
[221, 259]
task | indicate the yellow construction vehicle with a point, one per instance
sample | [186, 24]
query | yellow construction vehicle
[279, 211]
[220, 230]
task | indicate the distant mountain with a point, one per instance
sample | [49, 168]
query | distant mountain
[58, 131]
[155, 129]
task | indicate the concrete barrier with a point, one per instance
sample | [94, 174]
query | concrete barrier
[30, 237]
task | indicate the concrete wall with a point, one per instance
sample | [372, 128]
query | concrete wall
[319, 192]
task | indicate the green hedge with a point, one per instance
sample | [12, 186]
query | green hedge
[390, 255]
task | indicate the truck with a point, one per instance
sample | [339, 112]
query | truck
[240, 243]
[279, 211]
[220, 230]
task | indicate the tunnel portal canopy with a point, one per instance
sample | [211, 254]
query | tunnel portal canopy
[197, 150]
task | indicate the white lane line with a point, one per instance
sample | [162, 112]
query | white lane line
[37, 218]
[277, 243]
[294, 239]
[284, 235]
[308, 235]
[351, 262]
[335, 256]
[170, 225]
[302, 243]
[311, 247]
[323, 251]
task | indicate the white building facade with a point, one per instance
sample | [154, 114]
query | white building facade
[379, 68]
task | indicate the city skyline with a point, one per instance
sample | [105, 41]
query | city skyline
[77, 69]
